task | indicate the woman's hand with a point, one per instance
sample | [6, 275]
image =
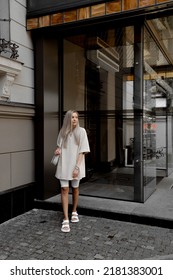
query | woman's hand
[57, 152]
[75, 172]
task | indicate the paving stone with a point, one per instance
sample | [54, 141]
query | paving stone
[3, 257]
[92, 238]
[98, 257]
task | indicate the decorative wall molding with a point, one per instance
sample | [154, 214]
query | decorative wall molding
[9, 69]
[15, 111]
[9, 48]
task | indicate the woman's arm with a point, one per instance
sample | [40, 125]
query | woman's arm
[59, 144]
[77, 167]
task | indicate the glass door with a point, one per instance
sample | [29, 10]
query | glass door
[157, 126]
[158, 61]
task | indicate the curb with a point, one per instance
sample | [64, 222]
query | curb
[138, 219]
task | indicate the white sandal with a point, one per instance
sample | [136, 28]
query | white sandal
[74, 217]
[65, 226]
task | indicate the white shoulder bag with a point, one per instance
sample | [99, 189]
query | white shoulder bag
[55, 158]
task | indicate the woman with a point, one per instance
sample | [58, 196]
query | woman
[72, 145]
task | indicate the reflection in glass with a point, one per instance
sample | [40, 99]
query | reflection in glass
[98, 67]
[157, 139]
[151, 55]
[163, 28]
[99, 83]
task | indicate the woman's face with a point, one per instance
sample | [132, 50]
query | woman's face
[74, 119]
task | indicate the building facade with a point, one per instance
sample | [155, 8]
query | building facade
[17, 110]
[112, 61]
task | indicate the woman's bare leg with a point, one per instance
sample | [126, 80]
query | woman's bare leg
[64, 201]
[75, 199]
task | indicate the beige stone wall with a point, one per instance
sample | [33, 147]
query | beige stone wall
[16, 146]
[23, 87]
[17, 166]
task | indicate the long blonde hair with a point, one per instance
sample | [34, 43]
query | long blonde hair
[67, 127]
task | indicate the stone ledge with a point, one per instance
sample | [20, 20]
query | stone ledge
[18, 111]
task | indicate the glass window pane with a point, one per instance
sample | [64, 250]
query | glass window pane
[163, 92]
[151, 57]
[74, 74]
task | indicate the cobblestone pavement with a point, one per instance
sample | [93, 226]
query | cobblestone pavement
[36, 235]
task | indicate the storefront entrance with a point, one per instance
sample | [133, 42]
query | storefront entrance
[119, 79]
[118, 108]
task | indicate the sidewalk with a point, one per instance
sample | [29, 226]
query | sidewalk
[36, 235]
[157, 210]
[107, 230]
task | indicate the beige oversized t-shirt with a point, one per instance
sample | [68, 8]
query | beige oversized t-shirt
[69, 155]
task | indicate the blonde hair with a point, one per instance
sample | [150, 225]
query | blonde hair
[67, 127]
